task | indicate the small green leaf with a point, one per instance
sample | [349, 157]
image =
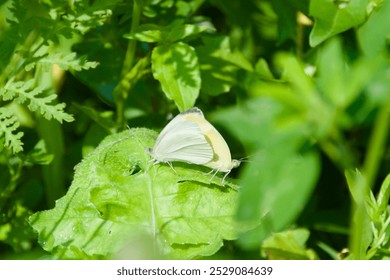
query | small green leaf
[119, 199]
[355, 181]
[8, 125]
[149, 33]
[176, 68]
[288, 245]
[332, 18]
[219, 65]
[332, 76]
[39, 155]
[263, 69]
[383, 196]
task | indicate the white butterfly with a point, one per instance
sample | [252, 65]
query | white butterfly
[190, 138]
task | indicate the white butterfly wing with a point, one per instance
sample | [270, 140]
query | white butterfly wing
[182, 140]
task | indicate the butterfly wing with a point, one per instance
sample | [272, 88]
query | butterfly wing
[182, 140]
[222, 160]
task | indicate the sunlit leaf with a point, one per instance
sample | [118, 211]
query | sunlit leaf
[118, 198]
[176, 68]
[333, 17]
[288, 245]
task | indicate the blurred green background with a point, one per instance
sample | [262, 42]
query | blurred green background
[299, 89]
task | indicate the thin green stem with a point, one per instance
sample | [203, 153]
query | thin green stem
[120, 93]
[377, 144]
[130, 53]
[15, 64]
[370, 168]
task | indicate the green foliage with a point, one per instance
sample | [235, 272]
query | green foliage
[9, 124]
[288, 245]
[25, 92]
[333, 17]
[118, 198]
[176, 67]
[298, 89]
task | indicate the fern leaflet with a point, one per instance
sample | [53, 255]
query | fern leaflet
[8, 126]
[37, 101]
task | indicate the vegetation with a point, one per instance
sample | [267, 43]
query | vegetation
[299, 89]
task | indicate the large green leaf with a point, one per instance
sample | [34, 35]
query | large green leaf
[373, 34]
[277, 183]
[176, 67]
[333, 17]
[121, 205]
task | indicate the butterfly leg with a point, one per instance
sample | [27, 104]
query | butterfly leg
[215, 173]
[224, 177]
[171, 166]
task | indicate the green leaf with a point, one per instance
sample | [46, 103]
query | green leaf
[383, 196]
[361, 229]
[278, 182]
[104, 119]
[241, 119]
[332, 18]
[8, 125]
[262, 69]
[118, 201]
[176, 68]
[332, 76]
[288, 245]
[14, 229]
[65, 62]
[25, 92]
[174, 32]
[281, 171]
[39, 155]
[374, 34]
[287, 18]
[219, 64]
[149, 33]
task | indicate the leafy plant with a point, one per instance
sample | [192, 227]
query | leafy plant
[118, 197]
[298, 89]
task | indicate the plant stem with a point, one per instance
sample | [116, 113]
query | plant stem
[130, 53]
[120, 94]
[377, 144]
[16, 63]
[374, 153]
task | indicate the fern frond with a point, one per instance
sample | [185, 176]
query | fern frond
[68, 62]
[8, 127]
[35, 99]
